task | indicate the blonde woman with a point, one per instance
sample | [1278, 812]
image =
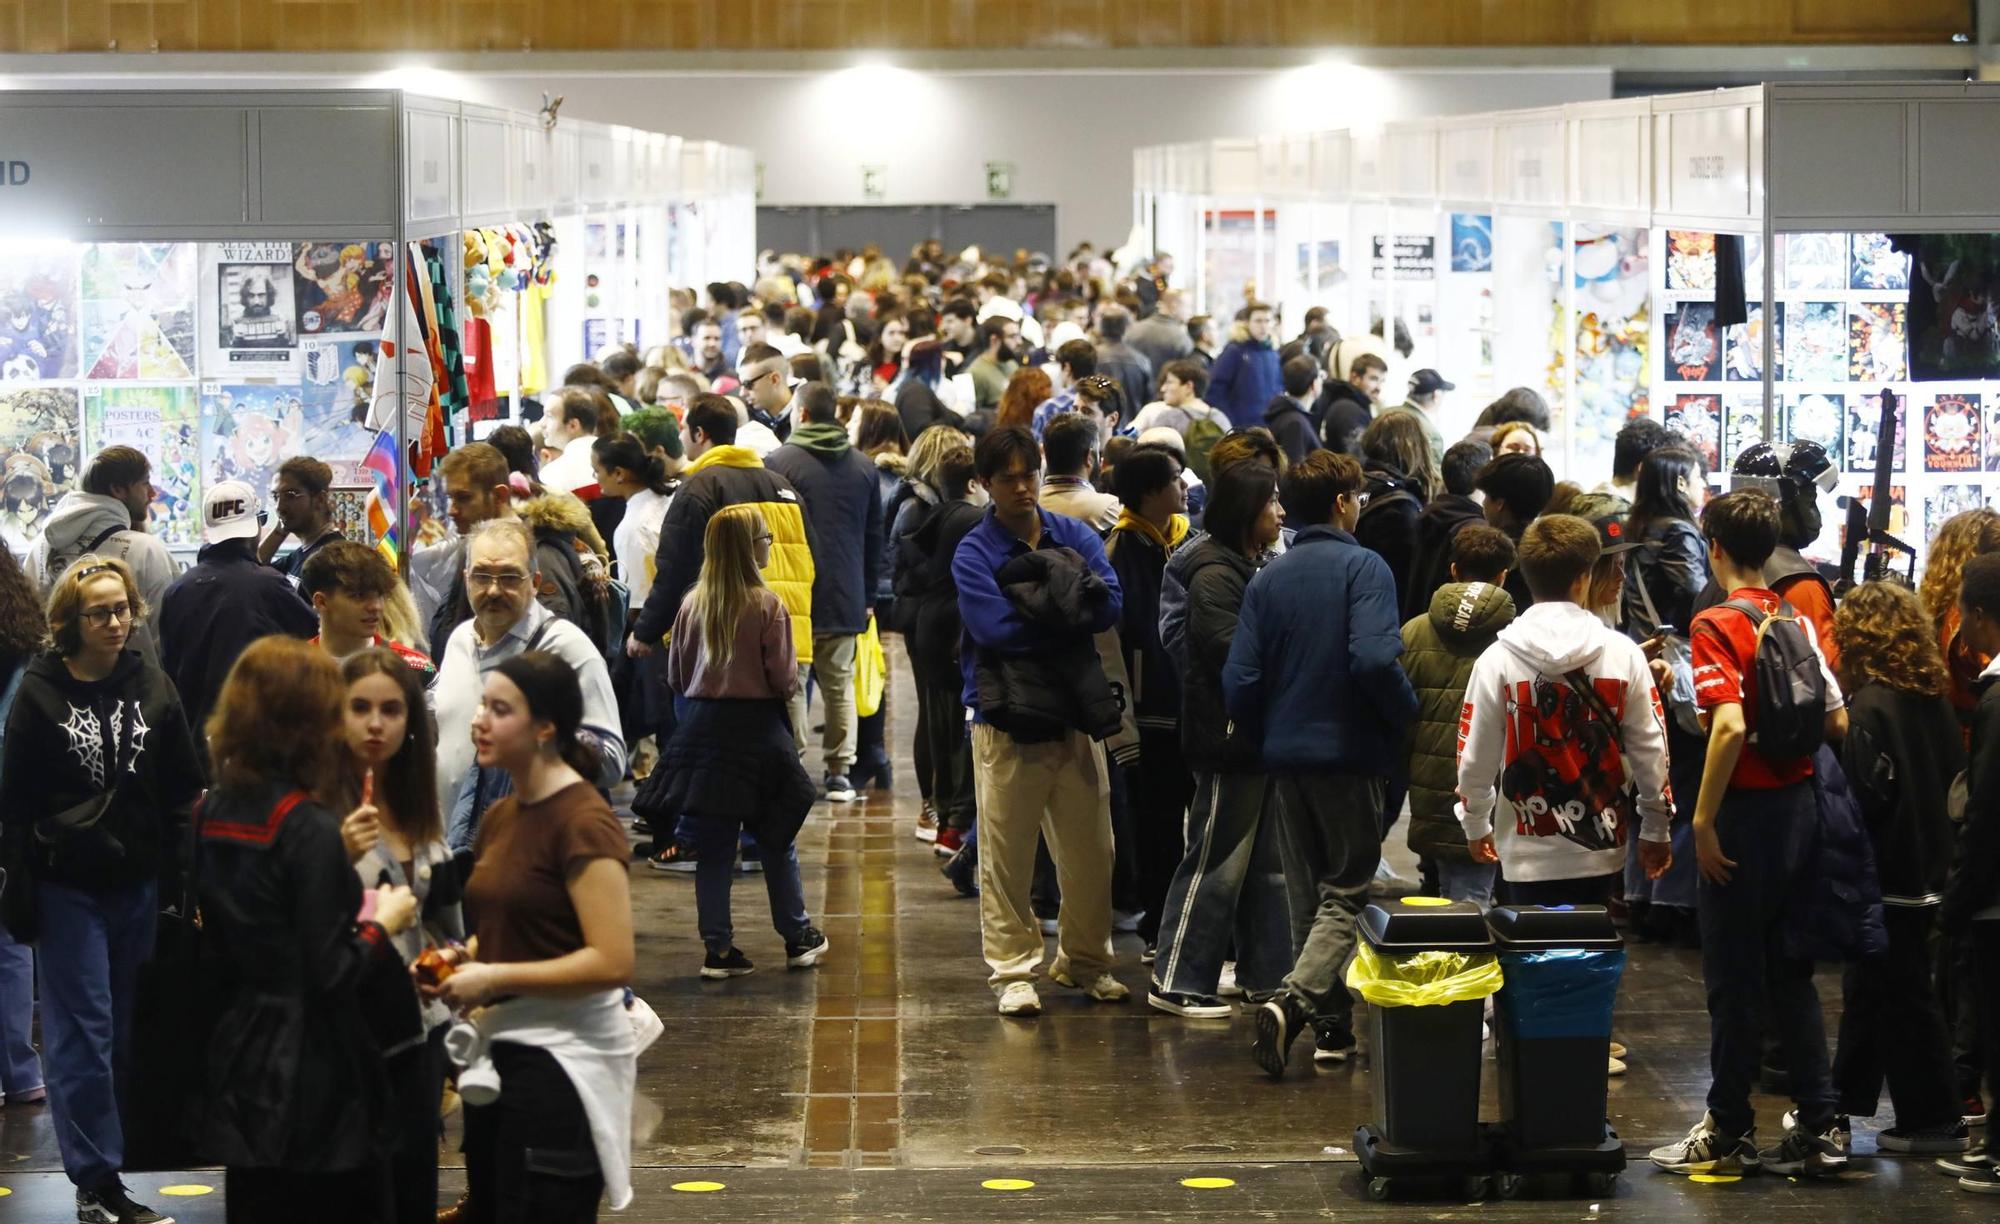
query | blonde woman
[732, 763]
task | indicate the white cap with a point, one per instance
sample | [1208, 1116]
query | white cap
[229, 512]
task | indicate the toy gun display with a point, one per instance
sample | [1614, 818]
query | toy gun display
[1869, 521]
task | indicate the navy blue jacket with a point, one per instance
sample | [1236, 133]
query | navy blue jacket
[991, 619]
[1313, 673]
[212, 613]
[1244, 380]
[844, 504]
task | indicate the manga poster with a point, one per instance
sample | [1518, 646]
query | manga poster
[1743, 349]
[345, 366]
[139, 310]
[38, 456]
[1951, 434]
[1690, 260]
[1818, 418]
[1878, 342]
[1471, 242]
[343, 287]
[1698, 418]
[252, 321]
[1864, 426]
[1945, 500]
[1742, 428]
[1694, 345]
[247, 431]
[337, 380]
[350, 512]
[38, 283]
[164, 423]
[1815, 342]
[1814, 261]
[1877, 265]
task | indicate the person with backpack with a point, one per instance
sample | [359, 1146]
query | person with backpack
[105, 516]
[1401, 471]
[1770, 701]
[1180, 407]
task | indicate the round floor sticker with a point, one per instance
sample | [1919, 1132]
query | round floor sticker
[187, 1191]
[1006, 1183]
[698, 1187]
[1207, 1183]
[1714, 1179]
[1426, 902]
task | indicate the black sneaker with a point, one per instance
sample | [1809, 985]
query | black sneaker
[642, 826]
[1985, 1181]
[805, 951]
[1970, 1163]
[1333, 1043]
[1929, 1141]
[962, 869]
[839, 789]
[731, 964]
[1190, 1006]
[1279, 1022]
[1801, 1152]
[109, 1204]
[675, 857]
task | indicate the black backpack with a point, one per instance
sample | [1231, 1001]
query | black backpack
[1790, 718]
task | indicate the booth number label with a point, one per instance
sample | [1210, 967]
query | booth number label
[13, 174]
[1706, 168]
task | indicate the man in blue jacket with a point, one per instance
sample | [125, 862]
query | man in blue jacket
[1060, 788]
[1245, 377]
[1313, 677]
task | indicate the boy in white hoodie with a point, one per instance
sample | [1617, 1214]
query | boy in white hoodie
[1562, 729]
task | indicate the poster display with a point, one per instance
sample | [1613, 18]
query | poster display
[250, 311]
[161, 422]
[343, 288]
[1612, 339]
[38, 458]
[1471, 242]
[38, 312]
[1864, 428]
[139, 311]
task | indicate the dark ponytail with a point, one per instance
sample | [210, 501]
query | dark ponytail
[552, 692]
[628, 451]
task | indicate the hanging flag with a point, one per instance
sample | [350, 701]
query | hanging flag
[414, 391]
[382, 468]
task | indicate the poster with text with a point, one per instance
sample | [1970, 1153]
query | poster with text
[1690, 260]
[1814, 261]
[1815, 342]
[139, 310]
[1877, 265]
[1864, 427]
[1698, 418]
[38, 312]
[343, 287]
[1951, 434]
[249, 312]
[164, 423]
[1742, 428]
[1471, 242]
[247, 431]
[1743, 352]
[1694, 345]
[39, 455]
[1878, 342]
[1945, 500]
[1818, 418]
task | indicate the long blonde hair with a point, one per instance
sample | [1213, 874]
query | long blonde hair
[729, 579]
[1965, 535]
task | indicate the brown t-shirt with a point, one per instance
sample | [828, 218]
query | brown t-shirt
[517, 900]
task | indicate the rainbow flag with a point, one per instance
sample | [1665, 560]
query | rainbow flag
[381, 465]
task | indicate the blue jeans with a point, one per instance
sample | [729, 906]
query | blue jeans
[93, 942]
[1230, 883]
[1677, 887]
[715, 844]
[20, 1067]
[1467, 881]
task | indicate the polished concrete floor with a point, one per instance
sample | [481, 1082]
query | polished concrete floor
[884, 1086]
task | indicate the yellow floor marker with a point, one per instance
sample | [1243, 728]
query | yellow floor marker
[1207, 1183]
[1006, 1183]
[1714, 1179]
[698, 1187]
[1425, 901]
[194, 1190]
[4, 1192]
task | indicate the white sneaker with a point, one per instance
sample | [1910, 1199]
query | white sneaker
[1102, 989]
[1225, 985]
[1020, 999]
[1125, 922]
[1615, 1068]
[1618, 1050]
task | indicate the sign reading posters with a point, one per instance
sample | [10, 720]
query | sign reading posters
[255, 317]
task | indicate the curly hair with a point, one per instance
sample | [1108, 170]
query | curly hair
[24, 625]
[1879, 628]
[1965, 535]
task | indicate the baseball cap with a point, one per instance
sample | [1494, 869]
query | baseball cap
[1612, 535]
[229, 512]
[1424, 382]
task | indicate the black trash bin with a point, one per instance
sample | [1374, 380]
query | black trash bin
[1562, 966]
[1424, 1061]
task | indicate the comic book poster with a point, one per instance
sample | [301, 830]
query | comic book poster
[1694, 345]
[251, 321]
[343, 287]
[1471, 242]
[1878, 342]
[350, 512]
[1955, 312]
[247, 431]
[1945, 500]
[138, 310]
[38, 439]
[1814, 261]
[1815, 342]
[345, 366]
[1818, 418]
[162, 422]
[1864, 427]
[1690, 260]
[38, 283]
[1951, 434]
[1743, 349]
[1698, 418]
[1742, 428]
[337, 378]
[1876, 265]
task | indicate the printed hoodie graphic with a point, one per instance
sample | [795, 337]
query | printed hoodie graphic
[1527, 737]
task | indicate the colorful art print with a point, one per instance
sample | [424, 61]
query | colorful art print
[38, 312]
[341, 371]
[1327, 272]
[256, 319]
[1955, 310]
[1694, 345]
[343, 286]
[1743, 349]
[350, 512]
[164, 423]
[39, 457]
[1471, 242]
[1817, 418]
[1878, 342]
[1945, 500]
[1814, 261]
[1742, 428]
[138, 307]
[247, 431]
[1951, 434]
[1874, 264]
[1698, 418]
[1690, 260]
[1990, 429]
[1864, 426]
[1815, 342]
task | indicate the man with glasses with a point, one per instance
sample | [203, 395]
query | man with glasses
[501, 577]
[300, 493]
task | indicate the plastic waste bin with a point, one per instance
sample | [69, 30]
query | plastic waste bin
[1424, 967]
[1561, 965]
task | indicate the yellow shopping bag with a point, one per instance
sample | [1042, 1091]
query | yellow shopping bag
[871, 671]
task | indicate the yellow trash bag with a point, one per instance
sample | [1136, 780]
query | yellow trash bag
[1423, 979]
[871, 671]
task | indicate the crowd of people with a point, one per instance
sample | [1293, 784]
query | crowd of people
[1194, 618]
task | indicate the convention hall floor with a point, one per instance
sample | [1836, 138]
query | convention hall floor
[885, 1087]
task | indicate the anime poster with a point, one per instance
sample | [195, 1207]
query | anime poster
[1317, 277]
[1613, 327]
[252, 319]
[1955, 309]
[1814, 261]
[1815, 342]
[1743, 349]
[164, 423]
[247, 431]
[1945, 500]
[1874, 264]
[1471, 242]
[138, 310]
[337, 378]
[1742, 428]
[1989, 430]
[343, 286]
[1878, 342]
[1694, 344]
[38, 457]
[345, 366]
[350, 512]
[1864, 428]
[1818, 418]
[1690, 260]
[1951, 434]
[1698, 418]
[38, 283]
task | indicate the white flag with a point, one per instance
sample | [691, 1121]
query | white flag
[413, 388]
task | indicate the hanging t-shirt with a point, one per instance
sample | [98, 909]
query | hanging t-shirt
[479, 385]
[534, 341]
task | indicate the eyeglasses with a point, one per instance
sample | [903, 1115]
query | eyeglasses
[98, 618]
[511, 581]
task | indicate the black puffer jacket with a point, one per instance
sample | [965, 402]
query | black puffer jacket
[1388, 525]
[1672, 563]
[1437, 527]
[1214, 576]
[926, 594]
[1975, 875]
[1041, 697]
[1901, 756]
